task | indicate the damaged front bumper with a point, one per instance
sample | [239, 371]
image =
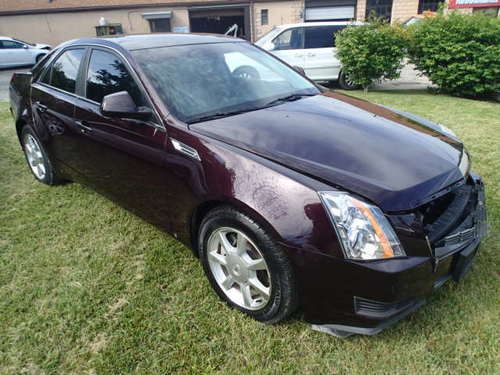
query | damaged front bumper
[378, 294]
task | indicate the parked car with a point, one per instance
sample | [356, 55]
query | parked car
[289, 196]
[310, 46]
[15, 52]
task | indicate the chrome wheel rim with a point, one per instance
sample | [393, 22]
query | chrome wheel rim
[35, 157]
[239, 268]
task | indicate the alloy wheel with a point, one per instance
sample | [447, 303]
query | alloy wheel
[239, 268]
[35, 157]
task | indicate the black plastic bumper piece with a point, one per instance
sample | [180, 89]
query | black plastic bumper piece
[342, 331]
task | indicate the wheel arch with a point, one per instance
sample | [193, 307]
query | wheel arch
[204, 208]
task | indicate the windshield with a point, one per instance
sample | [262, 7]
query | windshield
[204, 80]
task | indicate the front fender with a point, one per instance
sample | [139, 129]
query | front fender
[283, 201]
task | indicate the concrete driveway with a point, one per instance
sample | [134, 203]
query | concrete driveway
[5, 76]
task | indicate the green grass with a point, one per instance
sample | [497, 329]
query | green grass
[88, 288]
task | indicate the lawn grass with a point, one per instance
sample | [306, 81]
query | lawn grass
[88, 288]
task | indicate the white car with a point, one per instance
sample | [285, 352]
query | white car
[15, 52]
[310, 46]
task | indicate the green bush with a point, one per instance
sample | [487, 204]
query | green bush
[459, 53]
[371, 51]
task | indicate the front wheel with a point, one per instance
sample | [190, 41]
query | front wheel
[346, 83]
[245, 267]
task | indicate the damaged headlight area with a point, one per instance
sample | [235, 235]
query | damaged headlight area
[362, 228]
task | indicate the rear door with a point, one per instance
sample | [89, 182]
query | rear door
[321, 62]
[13, 53]
[289, 46]
[53, 97]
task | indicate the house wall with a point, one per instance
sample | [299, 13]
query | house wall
[279, 14]
[402, 10]
[54, 28]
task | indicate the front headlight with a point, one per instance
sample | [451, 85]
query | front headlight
[363, 230]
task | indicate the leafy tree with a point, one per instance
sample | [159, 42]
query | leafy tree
[371, 51]
[459, 53]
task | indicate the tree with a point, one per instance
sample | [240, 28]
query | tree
[371, 51]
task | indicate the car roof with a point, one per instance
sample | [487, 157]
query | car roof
[145, 41]
[6, 37]
[312, 24]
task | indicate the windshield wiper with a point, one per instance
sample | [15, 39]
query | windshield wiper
[217, 115]
[288, 98]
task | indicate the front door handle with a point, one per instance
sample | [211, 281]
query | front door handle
[84, 127]
[41, 107]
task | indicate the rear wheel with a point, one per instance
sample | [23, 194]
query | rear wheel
[37, 158]
[245, 266]
[346, 83]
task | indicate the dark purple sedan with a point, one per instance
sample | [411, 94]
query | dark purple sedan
[291, 196]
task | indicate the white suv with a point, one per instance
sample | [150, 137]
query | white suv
[14, 52]
[310, 46]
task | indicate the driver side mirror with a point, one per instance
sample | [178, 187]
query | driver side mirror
[121, 104]
[25, 46]
[300, 70]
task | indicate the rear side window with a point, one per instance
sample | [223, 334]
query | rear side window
[289, 39]
[65, 70]
[321, 36]
[106, 75]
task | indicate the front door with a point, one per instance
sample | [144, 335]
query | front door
[289, 47]
[321, 62]
[13, 53]
[125, 159]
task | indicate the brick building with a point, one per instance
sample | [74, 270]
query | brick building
[54, 21]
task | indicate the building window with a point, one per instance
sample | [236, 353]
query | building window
[429, 5]
[490, 12]
[379, 9]
[159, 25]
[264, 17]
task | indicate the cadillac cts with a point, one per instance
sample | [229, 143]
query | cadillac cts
[290, 195]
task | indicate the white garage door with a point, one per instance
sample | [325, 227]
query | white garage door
[330, 13]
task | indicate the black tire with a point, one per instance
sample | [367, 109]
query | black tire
[283, 299]
[51, 176]
[345, 83]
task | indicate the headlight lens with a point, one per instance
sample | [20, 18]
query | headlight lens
[362, 228]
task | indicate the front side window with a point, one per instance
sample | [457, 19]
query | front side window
[199, 81]
[321, 37]
[289, 39]
[11, 44]
[65, 70]
[107, 74]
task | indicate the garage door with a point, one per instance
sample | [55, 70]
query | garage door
[329, 10]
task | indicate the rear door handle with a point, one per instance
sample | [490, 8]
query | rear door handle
[41, 107]
[84, 127]
[311, 54]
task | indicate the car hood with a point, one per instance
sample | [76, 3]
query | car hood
[394, 159]
[41, 46]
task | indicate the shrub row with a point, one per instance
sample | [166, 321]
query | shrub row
[459, 53]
